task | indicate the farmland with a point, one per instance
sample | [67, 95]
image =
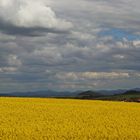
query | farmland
[65, 119]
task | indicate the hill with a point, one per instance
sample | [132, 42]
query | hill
[128, 96]
[89, 95]
[132, 95]
[132, 92]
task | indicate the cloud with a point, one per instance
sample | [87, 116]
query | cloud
[14, 61]
[8, 69]
[69, 44]
[122, 14]
[91, 75]
[30, 17]
[136, 43]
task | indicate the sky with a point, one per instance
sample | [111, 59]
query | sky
[69, 44]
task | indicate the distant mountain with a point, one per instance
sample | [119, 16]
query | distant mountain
[127, 96]
[89, 95]
[117, 95]
[137, 89]
[117, 91]
[47, 93]
[123, 95]
[4, 95]
[131, 92]
[112, 92]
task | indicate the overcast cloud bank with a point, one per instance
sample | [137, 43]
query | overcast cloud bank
[69, 45]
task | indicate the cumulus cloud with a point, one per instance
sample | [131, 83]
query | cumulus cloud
[28, 16]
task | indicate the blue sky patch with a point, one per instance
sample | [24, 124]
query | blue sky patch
[119, 34]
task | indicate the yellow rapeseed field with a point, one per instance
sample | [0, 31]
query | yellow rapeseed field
[58, 119]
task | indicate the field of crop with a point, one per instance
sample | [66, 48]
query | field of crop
[57, 119]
